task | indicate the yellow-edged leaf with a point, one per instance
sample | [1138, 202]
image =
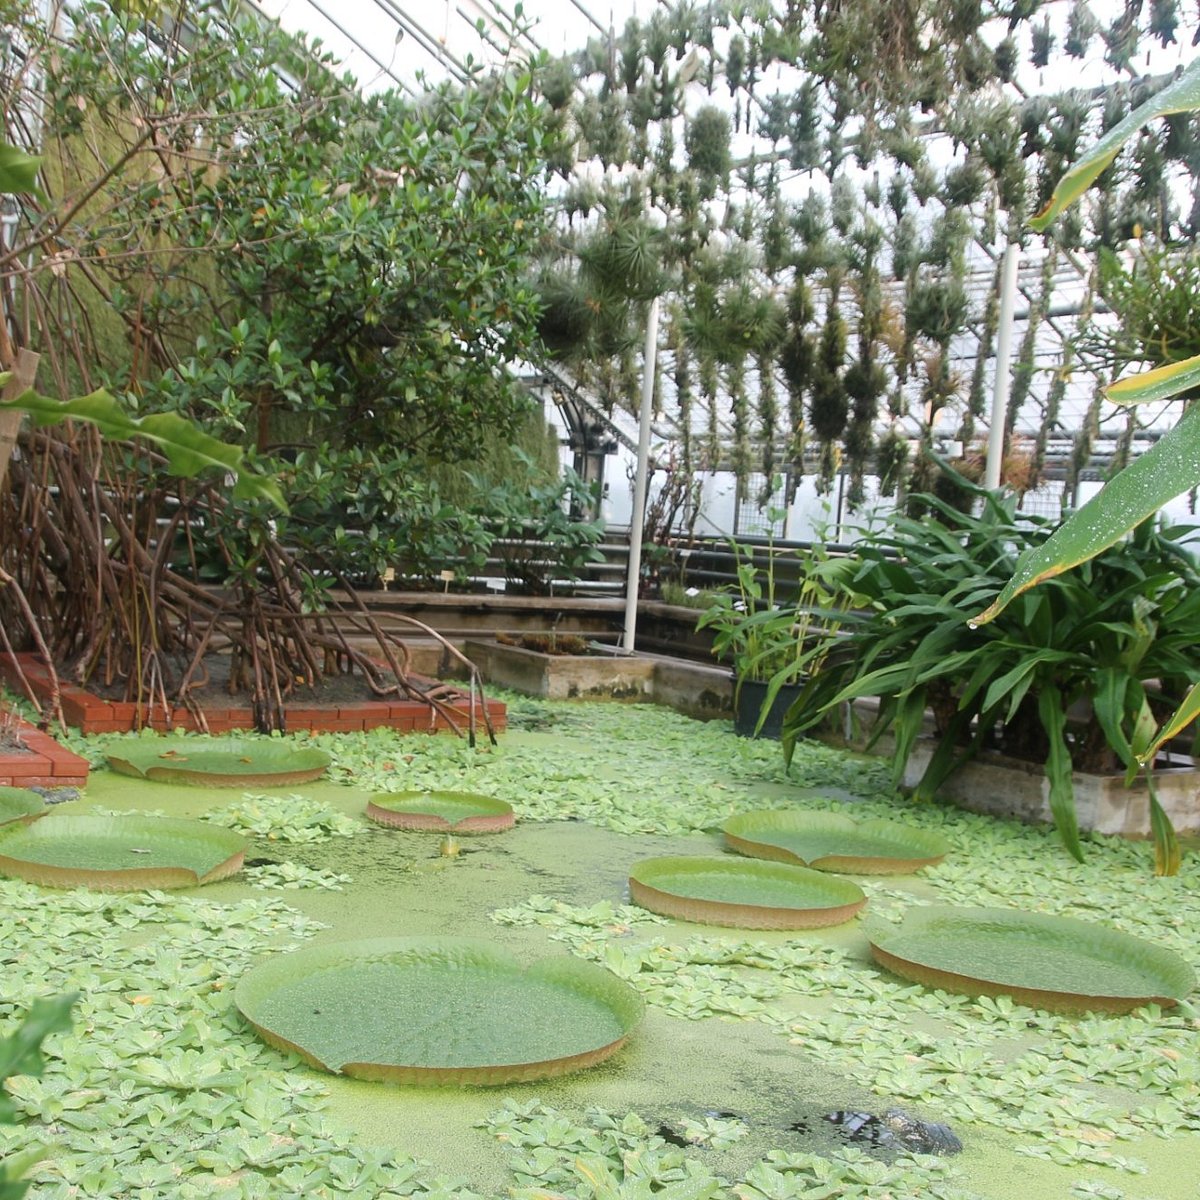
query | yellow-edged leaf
[1160, 384]
[1182, 95]
[1180, 719]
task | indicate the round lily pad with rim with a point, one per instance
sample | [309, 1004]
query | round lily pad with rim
[1055, 963]
[441, 812]
[20, 804]
[743, 893]
[833, 842]
[120, 854]
[437, 1011]
[218, 761]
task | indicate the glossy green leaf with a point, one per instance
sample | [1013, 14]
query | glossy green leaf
[1182, 95]
[1169, 468]
[187, 448]
[20, 804]
[18, 170]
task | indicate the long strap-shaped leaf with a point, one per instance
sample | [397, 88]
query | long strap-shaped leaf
[1166, 470]
[187, 448]
[1058, 770]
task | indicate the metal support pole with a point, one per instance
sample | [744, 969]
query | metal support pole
[1003, 383]
[641, 479]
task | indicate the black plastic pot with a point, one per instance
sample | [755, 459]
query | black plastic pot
[747, 705]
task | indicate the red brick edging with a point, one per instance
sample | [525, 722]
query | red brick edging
[91, 714]
[43, 762]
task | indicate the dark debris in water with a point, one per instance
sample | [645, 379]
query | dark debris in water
[894, 1130]
[57, 795]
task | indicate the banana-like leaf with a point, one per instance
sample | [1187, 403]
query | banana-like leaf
[18, 171]
[1182, 717]
[1160, 384]
[188, 449]
[1166, 470]
[1167, 855]
[1183, 95]
[1058, 771]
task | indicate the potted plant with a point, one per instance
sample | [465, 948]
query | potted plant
[766, 626]
[1073, 678]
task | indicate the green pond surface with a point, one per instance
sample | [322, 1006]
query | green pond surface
[426, 1016]
[773, 1030]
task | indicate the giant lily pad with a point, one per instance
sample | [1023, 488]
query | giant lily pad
[20, 804]
[1055, 963]
[218, 762]
[437, 1011]
[832, 842]
[119, 854]
[748, 895]
[457, 812]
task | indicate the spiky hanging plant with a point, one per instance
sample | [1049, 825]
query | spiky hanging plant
[683, 392]
[796, 358]
[768, 410]
[1023, 369]
[1082, 26]
[829, 405]
[709, 380]
[706, 141]
[865, 379]
[977, 397]
[739, 406]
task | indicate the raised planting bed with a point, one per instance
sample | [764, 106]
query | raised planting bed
[39, 761]
[437, 1011]
[119, 854]
[833, 842]
[93, 714]
[743, 894]
[441, 812]
[696, 689]
[998, 786]
[1055, 963]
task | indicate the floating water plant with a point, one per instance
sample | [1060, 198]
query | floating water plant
[833, 842]
[119, 854]
[748, 895]
[1055, 963]
[20, 804]
[437, 1011]
[218, 762]
[460, 812]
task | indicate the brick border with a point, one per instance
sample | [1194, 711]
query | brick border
[91, 714]
[43, 762]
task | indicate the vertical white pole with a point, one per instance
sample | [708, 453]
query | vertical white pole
[1000, 393]
[637, 516]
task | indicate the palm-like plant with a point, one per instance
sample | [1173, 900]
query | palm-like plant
[1071, 676]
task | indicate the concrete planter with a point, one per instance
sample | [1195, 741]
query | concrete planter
[1006, 787]
[692, 688]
